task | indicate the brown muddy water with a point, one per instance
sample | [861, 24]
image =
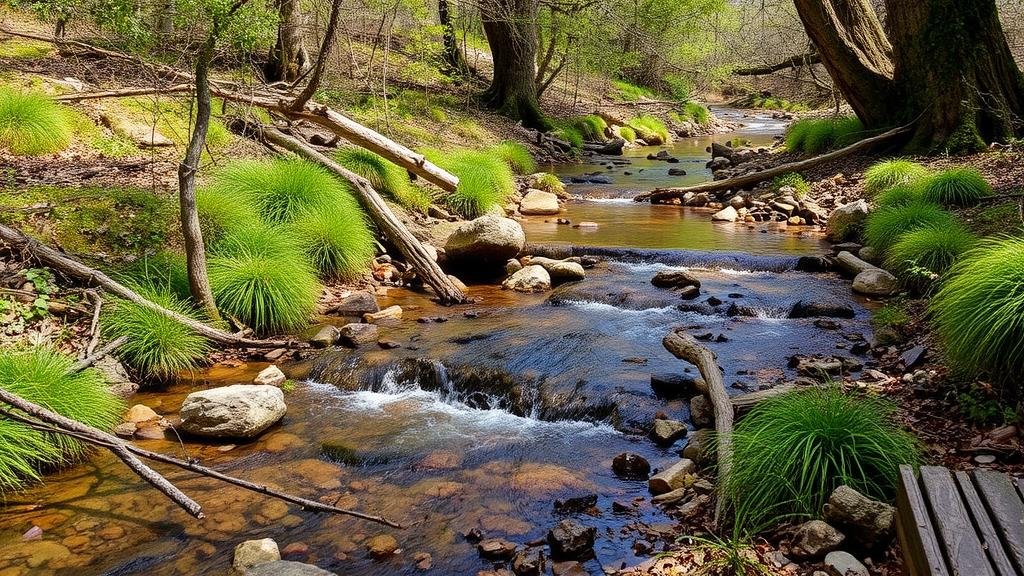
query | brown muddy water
[480, 421]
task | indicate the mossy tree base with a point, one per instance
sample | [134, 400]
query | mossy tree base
[511, 30]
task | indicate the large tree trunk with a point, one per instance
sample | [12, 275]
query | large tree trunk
[511, 29]
[454, 59]
[288, 58]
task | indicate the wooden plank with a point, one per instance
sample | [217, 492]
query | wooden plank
[986, 530]
[1007, 511]
[921, 550]
[964, 551]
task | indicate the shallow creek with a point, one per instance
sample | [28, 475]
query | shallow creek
[481, 421]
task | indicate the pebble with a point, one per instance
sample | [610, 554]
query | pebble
[984, 459]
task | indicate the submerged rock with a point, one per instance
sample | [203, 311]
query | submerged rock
[287, 568]
[820, 309]
[381, 546]
[325, 337]
[238, 411]
[254, 552]
[631, 466]
[496, 549]
[539, 203]
[570, 539]
[675, 279]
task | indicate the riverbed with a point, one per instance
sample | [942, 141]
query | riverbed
[480, 421]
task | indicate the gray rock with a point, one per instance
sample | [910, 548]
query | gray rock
[727, 214]
[255, 552]
[815, 538]
[528, 562]
[488, 241]
[679, 475]
[512, 266]
[846, 219]
[325, 337]
[841, 563]
[270, 376]
[356, 304]
[868, 522]
[701, 412]
[631, 466]
[116, 376]
[561, 271]
[875, 282]
[356, 334]
[700, 447]
[539, 203]
[496, 549]
[674, 279]
[665, 432]
[287, 568]
[530, 279]
[719, 163]
[869, 254]
[238, 411]
[671, 386]
[570, 539]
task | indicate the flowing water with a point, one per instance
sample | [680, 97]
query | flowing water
[481, 421]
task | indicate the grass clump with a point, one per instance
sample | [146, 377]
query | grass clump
[627, 133]
[31, 124]
[516, 156]
[793, 180]
[335, 238]
[260, 275]
[570, 134]
[650, 129]
[793, 450]
[220, 212]
[956, 187]
[887, 225]
[628, 92]
[891, 173]
[979, 312]
[899, 195]
[485, 182]
[547, 182]
[933, 249]
[697, 112]
[385, 176]
[40, 375]
[816, 135]
[591, 127]
[279, 189]
[164, 272]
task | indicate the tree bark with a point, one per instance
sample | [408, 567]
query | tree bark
[288, 58]
[326, 47]
[511, 30]
[454, 59]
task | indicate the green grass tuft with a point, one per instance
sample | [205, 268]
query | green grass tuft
[336, 238]
[548, 182]
[220, 212]
[956, 187]
[933, 248]
[793, 450]
[795, 181]
[164, 272]
[260, 275]
[900, 195]
[40, 375]
[697, 112]
[887, 225]
[516, 155]
[890, 173]
[279, 189]
[628, 92]
[627, 133]
[385, 176]
[32, 124]
[979, 312]
[571, 135]
[816, 135]
[485, 182]
[650, 129]
[590, 127]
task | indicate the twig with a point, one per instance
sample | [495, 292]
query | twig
[91, 358]
[94, 332]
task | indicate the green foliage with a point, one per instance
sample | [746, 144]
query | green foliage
[793, 180]
[548, 182]
[793, 450]
[885, 226]
[650, 129]
[891, 173]
[627, 133]
[770, 103]
[627, 92]
[485, 181]
[385, 176]
[697, 112]
[516, 156]
[796, 134]
[220, 211]
[984, 408]
[816, 135]
[279, 189]
[40, 375]
[260, 275]
[979, 311]
[891, 316]
[164, 273]
[335, 237]
[24, 49]
[956, 187]
[157, 346]
[900, 195]
[571, 135]
[734, 556]
[933, 248]
[32, 124]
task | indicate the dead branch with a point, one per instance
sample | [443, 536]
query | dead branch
[797, 61]
[123, 92]
[94, 357]
[52, 306]
[748, 180]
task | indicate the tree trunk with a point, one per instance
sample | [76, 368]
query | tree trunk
[454, 59]
[326, 47]
[511, 29]
[165, 17]
[288, 58]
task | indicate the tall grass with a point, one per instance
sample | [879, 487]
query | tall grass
[627, 133]
[793, 450]
[900, 195]
[956, 187]
[485, 182]
[697, 112]
[279, 189]
[32, 124]
[220, 212]
[40, 375]
[979, 312]
[516, 156]
[650, 129]
[816, 135]
[890, 173]
[336, 238]
[385, 176]
[886, 225]
[933, 248]
[164, 272]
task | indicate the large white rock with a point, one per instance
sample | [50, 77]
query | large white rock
[845, 219]
[488, 241]
[727, 214]
[560, 270]
[255, 552]
[530, 279]
[539, 203]
[238, 411]
[875, 282]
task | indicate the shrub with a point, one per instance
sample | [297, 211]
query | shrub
[627, 133]
[956, 187]
[385, 176]
[279, 189]
[793, 450]
[40, 375]
[979, 311]
[484, 181]
[891, 173]
[933, 248]
[886, 225]
[698, 112]
[899, 195]
[517, 157]
[335, 237]
[652, 130]
[32, 124]
[793, 180]
[260, 275]
[157, 346]
[221, 212]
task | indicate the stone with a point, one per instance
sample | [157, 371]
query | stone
[870, 254]
[496, 549]
[677, 476]
[140, 413]
[571, 539]
[694, 506]
[539, 203]
[238, 411]
[913, 356]
[561, 271]
[671, 386]
[701, 412]
[287, 568]
[568, 568]
[576, 504]
[142, 134]
[125, 429]
[665, 432]
[270, 376]
[389, 314]
[512, 266]
[356, 304]
[846, 219]
[689, 292]
[727, 214]
[355, 335]
[676, 172]
[675, 279]
[875, 282]
[488, 241]
[423, 560]
[325, 337]
[528, 562]
[381, 546]
[532, 278]
[631, 466]
[816, 538]
[116, 377]
[700, 447]
[254, 552]
[841, 563]
[866, 521]
[821, 309]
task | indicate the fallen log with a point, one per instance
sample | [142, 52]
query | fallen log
[797, 61]
[748, 180]
[90, 276]
[379, 212]
[611, 148]
[98, 355]
[687, 348]
[123, 92]
[744, 403]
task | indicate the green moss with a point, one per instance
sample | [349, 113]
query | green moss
[25, 49]
[698, 113]
[627, 133]
[628, 92]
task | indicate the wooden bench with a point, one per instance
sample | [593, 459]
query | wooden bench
[960, 524]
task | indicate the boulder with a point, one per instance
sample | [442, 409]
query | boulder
[512, 266]
[570, 539]
[389, 314]
[675, 279]
[700, 446]
[356, 304]
[529, 562]
[868, 522]
[820, 309]
[539, 203]
[561, 271]
[487, 242]
[141, 134]
[287, 568]
[270, 376]
[354, 335]
[671, 386]
[255, 552]
[325, 337]
[665, 432]
[846, 219]
[841, 563]
[140, 413]
[875, 282]
[816, 538]
[679, 475]
[727, 214]
[496, 549]
[381, 546]
[238, 411]
[532, 278]
[631, 466]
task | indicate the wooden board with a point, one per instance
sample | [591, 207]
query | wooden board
[918, 538]
[1007, 512]
[964, 550]
[986, 530]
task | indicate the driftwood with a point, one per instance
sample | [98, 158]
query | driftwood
[379, 212]
[94, 357]
[744, 403]
[797, 61]
[687, 348]
[87, 275]
[748, 180]
[123, 92]
[44, 420]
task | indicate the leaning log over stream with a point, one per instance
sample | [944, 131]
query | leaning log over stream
[749, 180]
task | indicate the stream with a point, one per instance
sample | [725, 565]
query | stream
[482, 421]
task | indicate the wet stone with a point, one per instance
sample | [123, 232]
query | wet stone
[381, 546]
[571, 539]
[576, 504]
[631, 466]
[496, 549]
[529, 562]
[665, 432]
